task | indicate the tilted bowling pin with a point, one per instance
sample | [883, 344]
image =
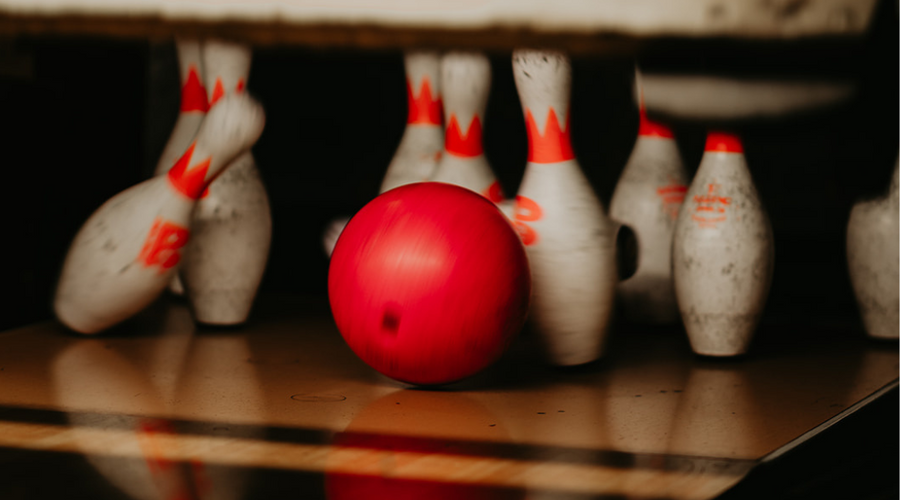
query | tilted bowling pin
[723, 252]
[647, 197]
[466, 82]
[193, 108]
[872, 257]
[567, 236]
[128, 250]
[420, 148]
[224, 263]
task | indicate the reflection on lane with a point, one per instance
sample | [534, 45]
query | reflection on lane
[142, 385]
[387, 450]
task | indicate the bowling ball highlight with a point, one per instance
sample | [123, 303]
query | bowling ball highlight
[429, 283]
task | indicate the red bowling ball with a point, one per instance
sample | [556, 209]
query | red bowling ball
[429, 283]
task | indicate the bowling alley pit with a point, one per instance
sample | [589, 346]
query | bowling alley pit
[568, 315]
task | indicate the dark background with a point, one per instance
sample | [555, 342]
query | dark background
[87, 118]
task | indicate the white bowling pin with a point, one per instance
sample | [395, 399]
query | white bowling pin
[127, 252]
[193, 107]
[192, 110]
[466, 82]
[420, 148]
[224, 263]
[723, 252]
[647, 197]
[567, 236]
[872, 257]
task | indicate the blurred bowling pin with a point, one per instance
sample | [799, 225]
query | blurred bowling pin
[647, 197]
[567, 236]
[420, 148]
[127, 252]
[193, 108]
[723, 252]
[872, 257]
[224, 263]
[466, 82]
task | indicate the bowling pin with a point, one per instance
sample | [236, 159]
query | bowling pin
[872, 257]
[647, 197]
[466, 82]
[420, 148]
[128, 250]
[193, 108]
[566, 233]
[224, 263]
[723, 252]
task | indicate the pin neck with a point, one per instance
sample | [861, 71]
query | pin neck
[219, 90]
[723, 142]
[190, 179]
[554, 144]
[466, 144]
[650, 128]
[193, 93]
[425, 107]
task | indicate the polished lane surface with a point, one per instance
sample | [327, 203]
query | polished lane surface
[159, 409]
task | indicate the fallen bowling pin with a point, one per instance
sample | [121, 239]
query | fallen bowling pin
[873, 254]
[224, 263]
[569, 240]
[723, 252]
[466, 82]
[128, 250]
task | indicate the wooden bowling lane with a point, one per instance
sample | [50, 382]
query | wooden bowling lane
[159, 409]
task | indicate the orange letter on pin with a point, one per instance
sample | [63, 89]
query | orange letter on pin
[527, 210]
[162, 245]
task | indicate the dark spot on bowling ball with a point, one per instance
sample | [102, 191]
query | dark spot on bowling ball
[390, 320]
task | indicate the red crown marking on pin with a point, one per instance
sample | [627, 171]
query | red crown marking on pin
[217, 93]
[219, 90]
[424, 109]
[190, 182]
[466, 144]
[723, 142]
[193, 93]
[552, 146]
[650, 128]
